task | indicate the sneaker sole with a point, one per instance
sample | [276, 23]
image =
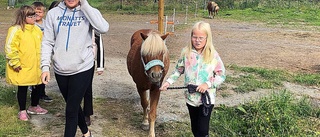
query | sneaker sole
[23, 119]
[35, 113]
[47, 101]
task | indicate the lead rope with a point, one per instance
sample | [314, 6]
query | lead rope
[177, 87]
[204, 97]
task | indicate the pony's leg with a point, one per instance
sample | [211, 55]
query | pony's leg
[214, 12]
[144, 103]
[154, 99]
[217, 9]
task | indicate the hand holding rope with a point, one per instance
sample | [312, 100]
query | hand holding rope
[204, 97]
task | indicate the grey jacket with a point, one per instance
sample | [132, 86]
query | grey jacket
[68, 38]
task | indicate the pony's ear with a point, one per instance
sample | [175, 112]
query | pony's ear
[144, 36]
[165, 36]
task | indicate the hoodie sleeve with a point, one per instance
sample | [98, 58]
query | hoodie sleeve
[220, 73]
[47, 42]
[95, 17]
[177, 72]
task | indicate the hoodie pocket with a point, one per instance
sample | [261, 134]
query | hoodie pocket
[68, 61]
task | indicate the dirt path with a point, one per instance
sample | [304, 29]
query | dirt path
[243, 44]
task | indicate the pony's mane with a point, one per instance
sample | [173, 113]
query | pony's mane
[153, 45]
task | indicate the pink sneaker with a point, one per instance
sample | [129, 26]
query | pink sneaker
[23, 115]
[37, 110]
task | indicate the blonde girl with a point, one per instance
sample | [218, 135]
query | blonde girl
[22, 50]
[203, 67]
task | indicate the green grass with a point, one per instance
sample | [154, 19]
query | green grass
[9, 122]
[249, 79]
[292, 18]
[279, 114]
[3, 65]
[307, 79]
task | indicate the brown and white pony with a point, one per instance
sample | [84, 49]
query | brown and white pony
[148, 63]
[213, 9]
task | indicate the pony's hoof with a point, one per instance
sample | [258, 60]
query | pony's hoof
[145, 127]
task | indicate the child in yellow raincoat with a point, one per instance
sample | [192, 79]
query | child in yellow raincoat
[22, 48]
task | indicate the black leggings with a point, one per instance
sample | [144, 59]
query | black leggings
[42, 92]
[199, 122]
[73, 88]
[35, 95]
[87, 100]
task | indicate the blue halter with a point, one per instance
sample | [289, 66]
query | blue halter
[152, 63]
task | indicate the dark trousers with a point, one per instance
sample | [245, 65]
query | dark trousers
[199, 122]
[73, 88]
[22, 96]
[87, 100]
[42, 93]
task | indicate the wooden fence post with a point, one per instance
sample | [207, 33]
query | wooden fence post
[160, 15]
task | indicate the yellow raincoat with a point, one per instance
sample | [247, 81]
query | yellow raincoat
[23, 49]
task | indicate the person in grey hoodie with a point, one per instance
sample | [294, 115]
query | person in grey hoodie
[67, 42]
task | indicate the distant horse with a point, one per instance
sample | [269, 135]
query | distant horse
[148, 63]
[213, 9]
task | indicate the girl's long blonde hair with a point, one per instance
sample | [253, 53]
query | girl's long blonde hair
[208, 50]
[22, 14]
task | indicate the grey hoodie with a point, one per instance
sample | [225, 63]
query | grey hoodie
[68, 38]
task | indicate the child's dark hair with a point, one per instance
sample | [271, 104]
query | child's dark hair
[53, 4]
[38, 5]
[21, 15]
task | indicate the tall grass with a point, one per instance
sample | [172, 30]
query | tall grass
[277, 115]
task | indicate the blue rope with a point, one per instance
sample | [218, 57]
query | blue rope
[61, 19]
[67, 44]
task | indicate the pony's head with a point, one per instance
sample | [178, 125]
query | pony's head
[154, 52]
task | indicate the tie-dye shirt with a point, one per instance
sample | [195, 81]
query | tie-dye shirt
[197, 72]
